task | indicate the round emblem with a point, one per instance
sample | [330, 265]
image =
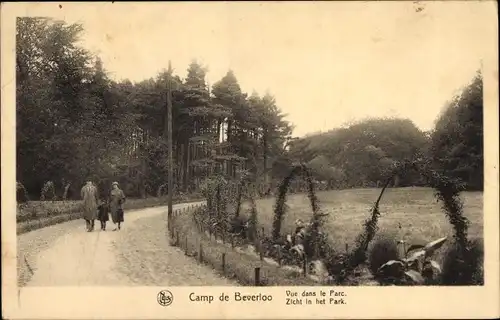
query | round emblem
[165, 298]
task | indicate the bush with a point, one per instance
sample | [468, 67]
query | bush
[458, 270]
[238, 225]
[38, 214]
[21, 193]
[383, 249]
[48, 191]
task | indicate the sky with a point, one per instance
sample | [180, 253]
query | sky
[327, 64]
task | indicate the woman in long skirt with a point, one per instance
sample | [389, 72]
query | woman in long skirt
[116, 200]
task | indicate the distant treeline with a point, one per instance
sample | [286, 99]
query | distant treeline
[75, 123]
[360, 154]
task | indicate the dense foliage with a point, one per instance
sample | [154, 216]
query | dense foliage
[74, 122]
[457, 140]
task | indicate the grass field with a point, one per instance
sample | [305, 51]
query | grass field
[412, 214]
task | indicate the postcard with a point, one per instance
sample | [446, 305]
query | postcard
[250, 160]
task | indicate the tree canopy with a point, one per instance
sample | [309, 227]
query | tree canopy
[75, 123]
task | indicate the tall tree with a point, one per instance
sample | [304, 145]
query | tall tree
[457, 140]
[52, 74]
[228, 95]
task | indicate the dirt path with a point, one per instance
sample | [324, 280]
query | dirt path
[139, 254]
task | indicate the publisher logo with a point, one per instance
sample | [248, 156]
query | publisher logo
[165, 298]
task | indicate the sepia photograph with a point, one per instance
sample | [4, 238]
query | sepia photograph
[282, 144]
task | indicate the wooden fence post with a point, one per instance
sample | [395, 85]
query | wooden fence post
[261, 250]
[232, 241]
[257, 276]
[186, 244]
[346, 248]
[177, 239]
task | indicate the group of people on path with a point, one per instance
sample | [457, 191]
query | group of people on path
[95, 209]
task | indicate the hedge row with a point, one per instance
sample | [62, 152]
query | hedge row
[71, 211]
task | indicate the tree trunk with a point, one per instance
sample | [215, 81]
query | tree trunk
[265, 146]
[186, 164]
[396, 181]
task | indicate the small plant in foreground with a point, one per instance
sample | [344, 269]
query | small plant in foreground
[460, 271]
[416, 269]
[383, 249]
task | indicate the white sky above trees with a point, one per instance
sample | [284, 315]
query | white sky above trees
[325, 63]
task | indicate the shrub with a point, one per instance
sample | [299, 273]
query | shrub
[21, 193]
[383, 249]
[314, 240]
[161, 190]
[358, 255]
[416, 269]
[253, 223]
[242, 190]
[238, 225]
[279, 207]
[48, 191]
[460, 271]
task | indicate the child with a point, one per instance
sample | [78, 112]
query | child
[103, 214]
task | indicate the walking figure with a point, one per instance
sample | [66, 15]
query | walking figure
[116, 201]
[103, 214]
[89, 196]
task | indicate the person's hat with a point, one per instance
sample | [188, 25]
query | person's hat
[114, 183]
